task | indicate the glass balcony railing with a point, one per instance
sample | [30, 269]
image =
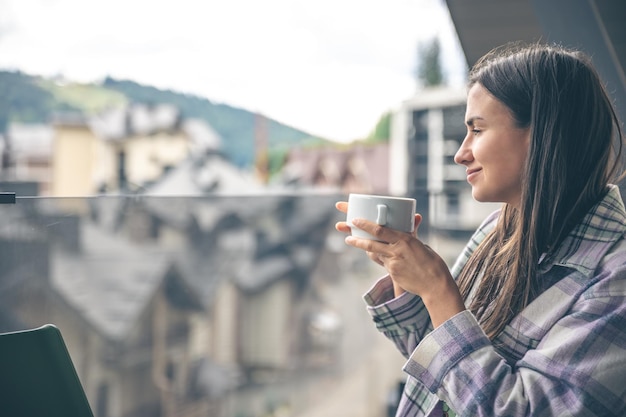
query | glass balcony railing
[226, 306]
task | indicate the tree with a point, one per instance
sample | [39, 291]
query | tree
[429, 72]
[382, 130]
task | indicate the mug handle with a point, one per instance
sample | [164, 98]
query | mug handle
[381, 219]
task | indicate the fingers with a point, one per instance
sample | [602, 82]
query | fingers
[418, 221]
[373, 248]
[381, 233]
[342, 227]
[374, 257]
[342, 206]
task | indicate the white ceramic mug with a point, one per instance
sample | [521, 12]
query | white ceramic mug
[394, 212]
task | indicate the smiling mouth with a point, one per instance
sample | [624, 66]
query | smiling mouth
[471, 174]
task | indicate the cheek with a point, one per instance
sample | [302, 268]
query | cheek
[517, 159]
[499, 167]
[502, 157]
[484, 154]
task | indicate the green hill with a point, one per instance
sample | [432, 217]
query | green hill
[22, 99]
[27, 98]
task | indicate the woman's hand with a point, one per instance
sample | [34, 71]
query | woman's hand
[342, 206]
[412, 265]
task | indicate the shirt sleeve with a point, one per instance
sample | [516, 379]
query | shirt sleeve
[404, 319]
[576, 369]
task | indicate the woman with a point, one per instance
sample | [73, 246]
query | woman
[531, 319]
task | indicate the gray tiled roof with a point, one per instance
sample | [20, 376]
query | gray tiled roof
[110, 281]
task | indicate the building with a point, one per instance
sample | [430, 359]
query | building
[28, 154]
[122, 149]
[359, 168]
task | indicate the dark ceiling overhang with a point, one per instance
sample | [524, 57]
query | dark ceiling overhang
[597, 27]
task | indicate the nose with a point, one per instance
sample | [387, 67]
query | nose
[464, 155]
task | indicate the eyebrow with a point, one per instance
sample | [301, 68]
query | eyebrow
[470, 121]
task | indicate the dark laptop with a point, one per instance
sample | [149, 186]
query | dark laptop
[37, 376]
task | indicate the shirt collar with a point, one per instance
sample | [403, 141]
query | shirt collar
[591, 239]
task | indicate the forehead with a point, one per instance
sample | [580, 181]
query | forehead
[482, 105]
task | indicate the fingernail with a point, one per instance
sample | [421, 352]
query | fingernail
[349, 239]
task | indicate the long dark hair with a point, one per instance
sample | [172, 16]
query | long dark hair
[575, 150]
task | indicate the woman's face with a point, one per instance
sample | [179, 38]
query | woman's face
[494, 150]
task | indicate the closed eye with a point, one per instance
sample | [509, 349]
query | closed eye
[471, 124]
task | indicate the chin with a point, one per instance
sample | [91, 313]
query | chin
[486, 199]
[482, 198]
[478, 196]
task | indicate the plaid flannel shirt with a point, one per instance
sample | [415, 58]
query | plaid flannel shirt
[563, 355]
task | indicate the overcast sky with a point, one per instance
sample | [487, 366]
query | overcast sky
[329, 67]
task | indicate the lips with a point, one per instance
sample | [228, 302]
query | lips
[472, 173]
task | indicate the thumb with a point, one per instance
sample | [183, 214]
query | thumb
[418, 221]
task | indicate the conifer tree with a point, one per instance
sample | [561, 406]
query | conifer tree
[429, 72]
